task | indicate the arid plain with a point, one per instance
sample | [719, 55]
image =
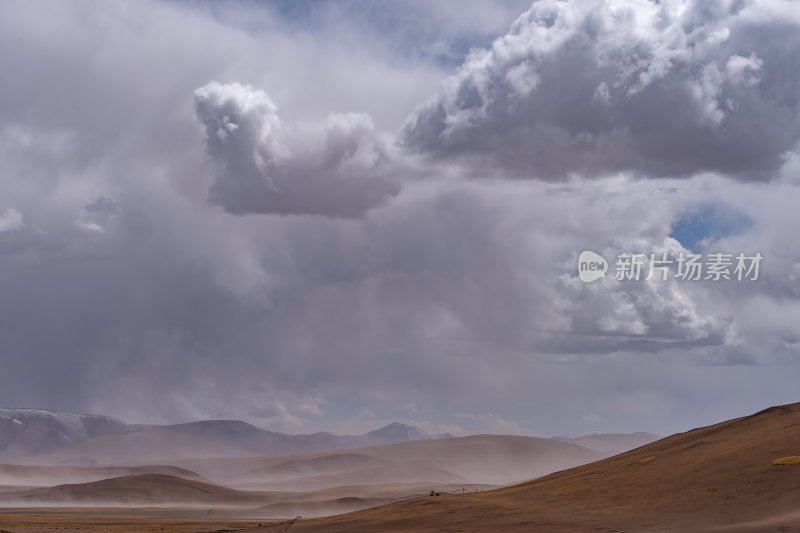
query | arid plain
[739, 475]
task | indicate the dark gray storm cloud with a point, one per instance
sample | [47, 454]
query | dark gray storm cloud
[148, 269]
[590, 87]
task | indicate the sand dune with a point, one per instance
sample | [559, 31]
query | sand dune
[720, 476]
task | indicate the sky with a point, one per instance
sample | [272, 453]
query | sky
[318, 215]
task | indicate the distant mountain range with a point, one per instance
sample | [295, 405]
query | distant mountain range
[41, 437]
[37, 436]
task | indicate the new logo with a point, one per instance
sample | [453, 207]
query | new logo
[591, 266]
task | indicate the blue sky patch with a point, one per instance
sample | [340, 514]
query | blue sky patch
[697, 229]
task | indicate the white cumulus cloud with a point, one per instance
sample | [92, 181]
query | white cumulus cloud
[668, 88]
[338, 167]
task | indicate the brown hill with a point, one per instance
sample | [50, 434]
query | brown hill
[492, 459]
[720, 478]
[144, 489]
[58, 475]
[484, 459]
[317, 466]
[406, 472]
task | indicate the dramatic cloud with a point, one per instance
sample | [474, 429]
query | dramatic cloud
[397, 289]
[335, 168]
[664, 88]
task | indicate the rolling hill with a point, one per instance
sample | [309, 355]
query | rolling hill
[324, 482]
[738, 475]
[483, 459]
[137, 490]
[57, 475]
